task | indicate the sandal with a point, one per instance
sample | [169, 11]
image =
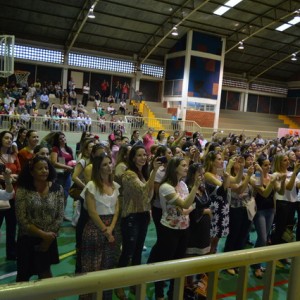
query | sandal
[230, 271]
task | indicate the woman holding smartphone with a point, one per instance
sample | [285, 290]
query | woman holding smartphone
[217, 183]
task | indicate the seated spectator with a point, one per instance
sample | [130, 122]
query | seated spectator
[88, 123]
[47, 120]
[44, 100]
[101, 123]
[110, 99]
[100, 111]
[73, 97]
[35, 113]
[25, 119]
[111, 110]
[123, 107]
[21, 104]
[58, 91]
[80, 122]
[65, 97]
[55, 121]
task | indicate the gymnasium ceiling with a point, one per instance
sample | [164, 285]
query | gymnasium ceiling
[142, 28]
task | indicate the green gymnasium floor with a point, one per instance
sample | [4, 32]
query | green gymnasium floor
[66, 240]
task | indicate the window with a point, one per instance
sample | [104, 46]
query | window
[38, 54]
[100, 63]
[155, 71]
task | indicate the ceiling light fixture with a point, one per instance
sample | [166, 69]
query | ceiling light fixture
[91, 13]
[290, 23]
[224, 8]
[241, 45]
[294, 57]
[175, 31]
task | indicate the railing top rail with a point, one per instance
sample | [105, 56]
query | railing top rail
[91, 282]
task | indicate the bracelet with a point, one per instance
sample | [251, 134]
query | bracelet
[104, 230]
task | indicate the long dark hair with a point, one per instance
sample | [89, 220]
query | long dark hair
[170, 175]
[96, 174]
[190, 178]
[123, 154]
[2, 134]
[57, 144]
[25, 179]
[131, 164]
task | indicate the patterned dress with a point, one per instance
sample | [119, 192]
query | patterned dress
[45, 213]
[219, 207]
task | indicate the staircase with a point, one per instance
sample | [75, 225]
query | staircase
[158, 110]
[288, 121]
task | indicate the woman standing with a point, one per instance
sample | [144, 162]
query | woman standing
[199, 229]
[39, 210]
[138, 190]
[285, 204]
[216, 184]
[164, 154]
[21, 138]
[239, 221]
[60, 155]
[265, 205]
[174, 197]
[10, 159]
[97, 150]
[161, 138]
[101, 201]
[26, 153]
[200, 216]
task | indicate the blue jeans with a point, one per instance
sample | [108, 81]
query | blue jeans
[134, 230]
[263, 221]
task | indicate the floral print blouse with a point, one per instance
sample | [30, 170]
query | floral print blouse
[173, 216]
[45, 213]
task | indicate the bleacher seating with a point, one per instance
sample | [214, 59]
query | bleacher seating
[231, 119]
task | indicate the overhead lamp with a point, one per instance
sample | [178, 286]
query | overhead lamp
[296, 19]
[91, 14]
[175, 31]
[290, 23]
[224, 8]
[294, 57]
[241, 45]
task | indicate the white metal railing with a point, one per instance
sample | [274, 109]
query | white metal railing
[162, 124]
[126, 123]
[66, 124]
[97, 282]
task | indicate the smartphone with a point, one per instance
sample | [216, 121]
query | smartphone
[162, 159]
[2, 168]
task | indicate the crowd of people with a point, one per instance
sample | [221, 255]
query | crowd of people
[22, 107]
[195, 191]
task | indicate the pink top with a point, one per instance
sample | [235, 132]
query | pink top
[148, 141]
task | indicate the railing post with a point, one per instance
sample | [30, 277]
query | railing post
[294, 286]
[269, 280]
[178, 288]
[242, 283]
[140, 292]
[212, 289]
